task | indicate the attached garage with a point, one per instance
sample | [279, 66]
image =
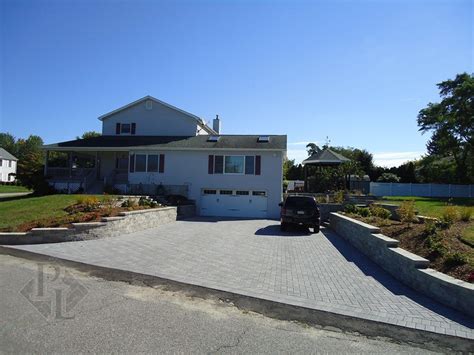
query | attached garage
[234, 203]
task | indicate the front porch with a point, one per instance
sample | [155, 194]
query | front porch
[91, 171]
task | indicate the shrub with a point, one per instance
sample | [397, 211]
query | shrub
[435, 244]
[321, 199]
[90, 203]
[144, 202]
[449, 215]
[363, 211]
[430, 228]
[406, 211]
[455, 259]
[339, 196]
[350, 208]
[129, 203]
[380, 212]
[466, 214]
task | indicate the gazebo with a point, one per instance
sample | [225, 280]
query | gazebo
[323, 158]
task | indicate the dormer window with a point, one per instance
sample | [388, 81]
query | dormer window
[125, 128]
[213, 138]
[263, 139]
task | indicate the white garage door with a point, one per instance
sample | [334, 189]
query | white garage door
[234, 203]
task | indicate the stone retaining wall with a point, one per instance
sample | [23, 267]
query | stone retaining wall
[407, 267]
[125, 223]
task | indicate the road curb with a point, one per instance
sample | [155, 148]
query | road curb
[274, 309]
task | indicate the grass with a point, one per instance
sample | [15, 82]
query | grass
[433, 207]
[14, 212]
[12, 188]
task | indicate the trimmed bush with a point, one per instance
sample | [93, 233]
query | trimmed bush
[455, 259]
[350, 208]
[380, 212]
[407, 211]
[449, 215]
[466, 214]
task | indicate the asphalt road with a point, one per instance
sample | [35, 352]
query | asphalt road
[40, 313]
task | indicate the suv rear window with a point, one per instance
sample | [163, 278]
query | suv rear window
[300, 202]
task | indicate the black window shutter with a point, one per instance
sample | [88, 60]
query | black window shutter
[132, 163]
[258, 163]
[117, 128]
[134, 127]
[210, 165]
[161, 168]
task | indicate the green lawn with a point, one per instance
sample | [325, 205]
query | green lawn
[20, 210]
[428, 206]
[12, 188]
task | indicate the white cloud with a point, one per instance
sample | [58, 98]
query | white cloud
[390, 159]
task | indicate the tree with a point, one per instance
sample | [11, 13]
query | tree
[388, 177]
[312, 148]
[7, 142]
[287, 165]
[89, 134]
[452, 124]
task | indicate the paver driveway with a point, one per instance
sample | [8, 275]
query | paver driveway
[253, 257]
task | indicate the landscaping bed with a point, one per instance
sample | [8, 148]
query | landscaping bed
[446, 244]
[23, 214]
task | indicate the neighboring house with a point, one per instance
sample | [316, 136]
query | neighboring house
[8, 165]
[151, 147]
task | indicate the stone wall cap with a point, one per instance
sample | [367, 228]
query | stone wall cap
[448, 279]
[13, 234]
[387, 240]
[417, 260]
[149, 210]
[370, 227]
[110, 219]
[88, 224]
[51, 229]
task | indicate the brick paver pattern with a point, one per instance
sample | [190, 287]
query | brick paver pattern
[254, 258]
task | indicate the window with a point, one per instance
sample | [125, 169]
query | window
[234, 164]
[259, 193]
[249, 165]
[242, 193]
[225, 192]
[210, 192]
[1, 162]
[10, 163]
[125, 128]
[219, 164]
[152, 163]
[140, 163]
[149, 104]
[263, 139]
[300, 202]
[213, 138]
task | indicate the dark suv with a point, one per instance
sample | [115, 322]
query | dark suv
[299, 210]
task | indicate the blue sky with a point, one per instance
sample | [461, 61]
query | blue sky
[356, 71]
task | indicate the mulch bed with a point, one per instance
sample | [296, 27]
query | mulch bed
[414, 238]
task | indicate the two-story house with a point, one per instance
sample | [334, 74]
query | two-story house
[151, 147]
[8, 164]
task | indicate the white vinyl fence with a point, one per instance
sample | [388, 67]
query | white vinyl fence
[421, 190]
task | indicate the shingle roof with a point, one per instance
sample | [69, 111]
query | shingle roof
[325, 157]
[277, 142]
[5, 155]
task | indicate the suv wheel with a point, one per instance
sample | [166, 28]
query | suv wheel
[316, 229]
[283, 226]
